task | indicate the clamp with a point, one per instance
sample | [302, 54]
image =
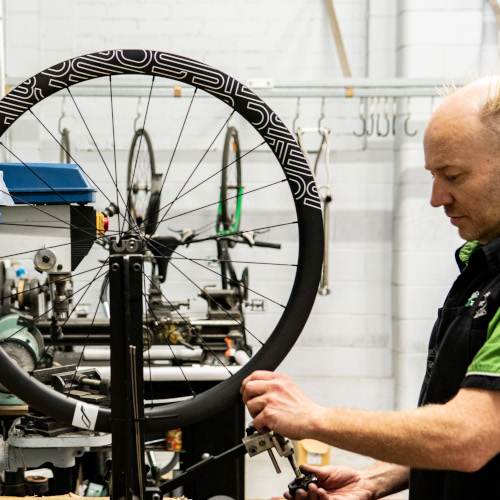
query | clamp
[253, 444]
[256, 443]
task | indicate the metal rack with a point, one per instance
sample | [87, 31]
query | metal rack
[267, 88]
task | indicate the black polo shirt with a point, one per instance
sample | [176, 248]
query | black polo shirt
[464, 351]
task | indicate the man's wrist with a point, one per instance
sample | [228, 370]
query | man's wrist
[318, 422]
[385, 479]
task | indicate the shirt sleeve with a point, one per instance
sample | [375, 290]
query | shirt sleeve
[484, 371]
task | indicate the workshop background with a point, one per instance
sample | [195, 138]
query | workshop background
[391, 255]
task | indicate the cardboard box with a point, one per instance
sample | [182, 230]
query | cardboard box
[312, 452]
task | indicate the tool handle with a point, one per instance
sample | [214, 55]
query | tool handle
[301, 483]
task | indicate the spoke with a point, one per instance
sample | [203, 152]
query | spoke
[96, 146]
[36, 175]
[219, 306]
[114, 147]
[240, 233]
[183, 257]
[174, 151]
[17, 254]
[86, 289]
[97, 276]
[217, 202]
[127, 206]
[201, 183]
[194, 169]
[37, 207]
[67, 152]
[40, 178]
[31, 251]
[80, 359]
[215, 260]
[25, 290]
[45, 226]
[193, 330]
[168, 342]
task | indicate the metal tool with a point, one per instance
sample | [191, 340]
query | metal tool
[253, 444]
[256, 443]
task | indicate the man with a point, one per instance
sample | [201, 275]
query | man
[449, 447]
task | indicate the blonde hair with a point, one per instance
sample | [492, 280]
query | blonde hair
[491, 107]
[487, 103]
[491, 104]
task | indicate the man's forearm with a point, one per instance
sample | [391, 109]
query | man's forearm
[450, 436]
[461, 435]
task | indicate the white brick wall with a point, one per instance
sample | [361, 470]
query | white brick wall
[391, 255]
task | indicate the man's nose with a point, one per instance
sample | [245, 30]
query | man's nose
[440, 196]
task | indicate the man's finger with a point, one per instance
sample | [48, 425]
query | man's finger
[257, 375]
[253, 389]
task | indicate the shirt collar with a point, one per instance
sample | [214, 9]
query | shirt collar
[490, 251]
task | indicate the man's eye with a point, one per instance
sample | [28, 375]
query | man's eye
[452, 178]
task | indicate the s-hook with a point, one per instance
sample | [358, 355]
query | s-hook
[407, 132]
[138, 114]
[297, 113]
[384, 133]
[362, 116]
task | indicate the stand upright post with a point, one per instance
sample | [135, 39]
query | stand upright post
[127, 388]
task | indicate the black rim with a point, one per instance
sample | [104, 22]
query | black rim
[301, 183]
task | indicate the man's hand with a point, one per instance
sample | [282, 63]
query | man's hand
[336, 483]
[276, 403]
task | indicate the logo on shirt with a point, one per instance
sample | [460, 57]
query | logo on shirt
[481, 307]
[472, 299]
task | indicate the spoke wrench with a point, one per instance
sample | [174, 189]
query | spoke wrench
[256, 443]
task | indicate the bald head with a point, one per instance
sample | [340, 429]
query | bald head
[462, 152]
[474, 110]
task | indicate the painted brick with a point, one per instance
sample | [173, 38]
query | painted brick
[430, 5]
[419, 301]
[424, 28]
[391, 253]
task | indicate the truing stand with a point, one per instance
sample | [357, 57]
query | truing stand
[127, 391]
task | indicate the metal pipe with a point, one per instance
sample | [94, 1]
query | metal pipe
[336, 88]
[156, 352]
[174, 374]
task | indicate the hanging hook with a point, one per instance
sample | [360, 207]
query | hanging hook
[394, 114]
[297, 113]
[409, 134]
[386, 120]
[63, 114]
[138, 114]
[362, 117]
[322, 112]
[369, 131]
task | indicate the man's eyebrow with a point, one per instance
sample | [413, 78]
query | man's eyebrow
[438, 169]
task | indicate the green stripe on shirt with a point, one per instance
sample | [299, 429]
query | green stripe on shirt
[487, 359]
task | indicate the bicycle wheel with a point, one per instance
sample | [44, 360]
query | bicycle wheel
[289, 183]
[231, 188]
[140, 175]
